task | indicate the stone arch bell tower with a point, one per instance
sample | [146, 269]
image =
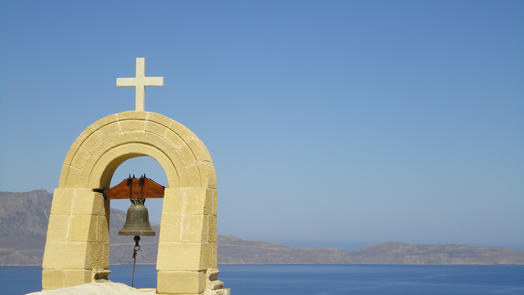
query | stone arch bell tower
[77, 244]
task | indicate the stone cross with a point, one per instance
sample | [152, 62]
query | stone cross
[140, 82]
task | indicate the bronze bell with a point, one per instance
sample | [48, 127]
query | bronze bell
[137, 220]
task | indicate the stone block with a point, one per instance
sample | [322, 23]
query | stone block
[212, 274]
[80, 157]
[102, 232]
[100, 123]
[199, 150]
[184, 200]
[132, 125]
[83, 228]
[190, 176]
[179, 256]
[156, 128]
[112, 129]
[194, 200]
[57, 230]
[52, 279]
[218, 292]
[157, 140]
[211, 202]
[65, 255]
[100, 205]
[170, 202]
[207, 174]
[92, 141]
[100, 274]
[194, 228]
[181, 282]
[98, 136]
[103, 169]
[160, 119]
[85, 201]
[209, 255]
[71, 153]
[105, 262]
[215, 285]
[76, 277]
[86, 133]
[211, 228]
[62, 181]
[182, 131]
[124, 141]
[74, 178]
[178, 143]
[97, 255]
[170, 229]
[62, 201]
[107, 208]
[132, 115]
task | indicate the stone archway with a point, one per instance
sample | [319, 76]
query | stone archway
[77, 245]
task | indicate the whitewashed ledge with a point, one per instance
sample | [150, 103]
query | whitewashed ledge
[97, 288]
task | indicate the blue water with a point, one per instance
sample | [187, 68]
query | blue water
[319, 279]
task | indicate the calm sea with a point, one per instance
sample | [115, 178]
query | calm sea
[319, 279]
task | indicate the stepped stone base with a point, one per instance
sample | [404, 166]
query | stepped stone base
[218, 292]
[104, 287]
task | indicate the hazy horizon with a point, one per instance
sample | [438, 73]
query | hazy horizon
[347, 122]
[349, 245]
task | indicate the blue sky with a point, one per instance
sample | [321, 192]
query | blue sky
[331, 123]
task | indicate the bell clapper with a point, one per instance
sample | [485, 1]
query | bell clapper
[136, 248]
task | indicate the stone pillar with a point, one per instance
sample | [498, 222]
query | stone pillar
[77, 245]
[187, 243]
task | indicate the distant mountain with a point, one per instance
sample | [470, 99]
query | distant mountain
[236, 251]
[400, 253]
[24, 218]
[23, 226]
